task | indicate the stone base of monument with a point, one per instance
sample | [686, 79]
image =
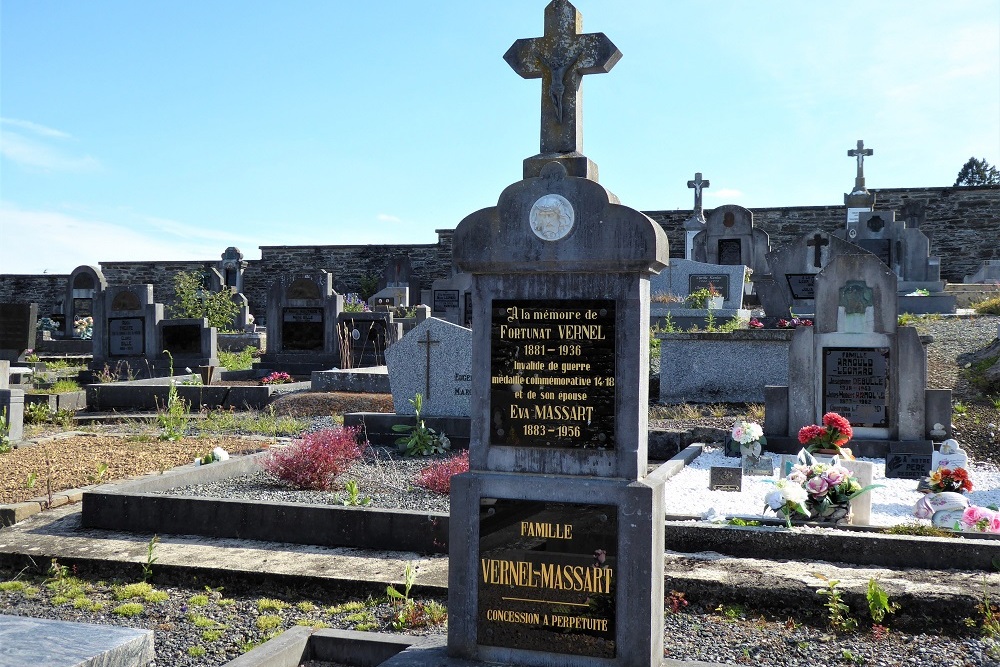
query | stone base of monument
[377, 427]
[686, 318]
[234, 342]
[343, 647]
[35, 641]
[297, 363]
[936, 302]
[368, 380]
[67, 400]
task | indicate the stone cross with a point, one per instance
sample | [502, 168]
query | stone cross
[560, 58]
[818, 242]
[427, 369]
[698, 185]
[860, 152]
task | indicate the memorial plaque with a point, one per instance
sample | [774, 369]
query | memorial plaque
[182, 339]
[720, 281]
[18, 322]
[126, 336]
[445, 299]
[722, 478]
[385, 302]
[368, 341]
[547, 577]
[552, 373]
[730, 251]
[83, 308]
[881, 248]
[758, 466]
[802, 285]
[302, 329]
[856, 385]
[906, 465]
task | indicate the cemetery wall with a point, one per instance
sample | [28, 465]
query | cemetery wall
[962, 223]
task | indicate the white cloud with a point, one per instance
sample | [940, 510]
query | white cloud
[37, 154]
[187, 232]
[64, 242]
[724, 193]
[34, 127]
[385, 217]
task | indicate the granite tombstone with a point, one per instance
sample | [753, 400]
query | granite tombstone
[434, 359]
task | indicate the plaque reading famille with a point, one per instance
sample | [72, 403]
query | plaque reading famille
[547, 577]
[719, 282]
[126, 336]
[552, 373]
[302, 329]
[182, 339]
[445, 299]
[856, 385]
[802, 285]
[730, 251]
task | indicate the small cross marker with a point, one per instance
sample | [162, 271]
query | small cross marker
[818, 242]
[427, 369]
[698, 185]
[860, 153]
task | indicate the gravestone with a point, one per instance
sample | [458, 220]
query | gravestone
[83, 290]
[725, 478]
[558, 484]
[231, 268]
[433, 359]
[682, 278]
[11, 404]
[365, 338]
[190, 342]
[243, 320]
[451, 299]
[18, 322]
[858, 362]
[988, 274]
[949, 455]
[696, 222]
[791, 287]
[45, 643]
[399, 273]
[389, 298]
[730, 237]
[126, 322]
[859, 200]
[302, 312]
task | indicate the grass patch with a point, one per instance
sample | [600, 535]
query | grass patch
[196, 651]
[200, 621]
[238, 361]
[919, 530]
[312, 623]
[683, 411]
[268, 622]
[989, 306]
[128, 609]
[264, 422]
[200, 600]
[12, 586]
[270, 604]
[345, 608]
[131, 591]
[59, 387]
[306, 607]
[211, 635]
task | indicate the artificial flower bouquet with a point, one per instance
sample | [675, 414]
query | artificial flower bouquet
[833, 434]
[749, 436]
[815, 490]
[944, 480]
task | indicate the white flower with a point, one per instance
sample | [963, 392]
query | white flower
[219, 454]
[775, 500]
[714, 516]
[795, 494]
[797, 476]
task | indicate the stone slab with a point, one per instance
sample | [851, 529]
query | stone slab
[434, 360]
[368, 380]
[935, 303]
[44, 643]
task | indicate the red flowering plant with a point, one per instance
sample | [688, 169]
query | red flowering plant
[834, 433]
[755, 323]
[943, 480]
[277, 377]
[794, 322]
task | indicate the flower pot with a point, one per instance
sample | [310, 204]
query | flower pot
[714, 302]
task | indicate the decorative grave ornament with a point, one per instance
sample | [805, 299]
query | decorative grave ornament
[950, 455]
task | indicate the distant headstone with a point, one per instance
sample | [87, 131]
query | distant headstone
[685, 276]
[730, 238]
[859, 200]
[126, 322]
[17, 329]
[389, 298]
[399, 273]
[231, 268]
[451, 299]
[365, 338]
[302, 311]
[988, 274]
[696, 222]
[435, 360]
[83, 289]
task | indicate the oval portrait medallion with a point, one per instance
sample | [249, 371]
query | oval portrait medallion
[551, 217]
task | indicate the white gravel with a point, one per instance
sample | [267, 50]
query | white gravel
[687, 492]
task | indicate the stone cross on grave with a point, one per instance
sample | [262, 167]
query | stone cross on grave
[560, 58]
[818, 242]
[860, 153]
[698, 185]
[427, 368]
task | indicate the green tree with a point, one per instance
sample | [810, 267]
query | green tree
[978, 172]
[192, 299]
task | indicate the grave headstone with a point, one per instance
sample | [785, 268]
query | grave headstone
[724, 478]
[988, 274]
[435, 360]
[949, 455]
[231, 267]
[11, 404]
[190, 342]
[730, 237]
[696, 222]
[858, 362]
[83, 290]
[390, 298]
[685, 276]
[558, 483]
[126, 321]
[365, 338]
[859, 200]
[18, 322]
[302, 311]
[451, 299]
[399, 273]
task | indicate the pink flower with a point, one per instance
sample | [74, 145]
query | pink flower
[817, 486]
[836, 475]
[994, 525]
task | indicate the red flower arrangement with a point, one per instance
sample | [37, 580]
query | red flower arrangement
[835, 432]
[950, 479]
[793, 323]
[755, 323]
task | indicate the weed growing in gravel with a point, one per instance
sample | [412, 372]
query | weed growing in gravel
[172, 417]
[959, 408]
[238, 361]
[919, 530]
[270, 604]
[211, 635]
[36, 413]
[312, 623]
[313, 461]
[260, 423]
[305, 607]
[353, 497]
[878, 602]
[128, 609]
[130, 591]
[200, 621]
[989, 306]
[12, 586]
[268, 622]
[345, 608]
[437, 476]
[196, 651]
[199, 600]
[731, 612]
[226, 602]
[147, 567]
[420, 440]
[837, 610]
[86, 604]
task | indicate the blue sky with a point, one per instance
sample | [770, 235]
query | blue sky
[155, 130]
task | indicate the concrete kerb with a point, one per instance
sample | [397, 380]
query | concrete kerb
[348, 647]
[152, 393]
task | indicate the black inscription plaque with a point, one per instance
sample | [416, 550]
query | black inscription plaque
[83, 307]
[552, 373]
[720, 281]
[906, 465]
[802, 285]
[18, 323]
[547, 577]
[722, 478]
[730, 251]
[856, 385]
[302, 329]
[368, 339]
[126, 336]
[445, 299]
[881, 248]
[182, 339]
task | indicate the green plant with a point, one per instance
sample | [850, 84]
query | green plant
[421, 440]
[736, 521]
[63, 417]
[32, 480]
[368, 285]
[98, 477]
[199, 600]
[63, 386]
[878, 601]
[147, 567]
[130, 591]
[173, 416]
[353, 497]
[128, 609]
[919, 530]
[211, 635]
[200, 621]
[36, 413]
[270, 604]
[409, 578]
[710, 323]
[959, 408]
[193, 300]
[5, 446]
[196, 651]
[238, 361]
[345, 608]
[838, 612]
[731, 612]
[989, 306]
[306, 607]
[312, 623]
[698, 299]
[268, 622]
